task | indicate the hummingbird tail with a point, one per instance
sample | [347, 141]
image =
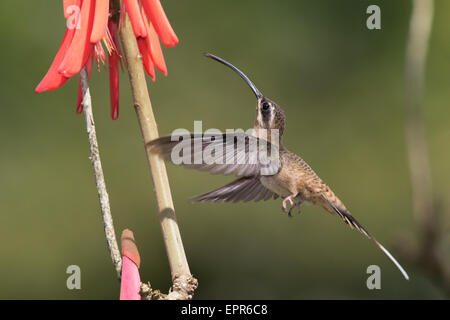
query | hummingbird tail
[392, 258]
[352, 222]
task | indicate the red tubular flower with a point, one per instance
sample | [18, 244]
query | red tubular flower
[155, 48]
[155, 13]
[68, 9]
[144, 49]
[130, 280]
[137, 21]
[81, 47]
[113, 62]
[89, 24]
[53, 79]
[100, 20]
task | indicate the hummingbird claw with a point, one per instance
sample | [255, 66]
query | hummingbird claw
[290, 212]
[299, 206]
[292, 203]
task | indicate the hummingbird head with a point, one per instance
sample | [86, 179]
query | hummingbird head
[268, 114]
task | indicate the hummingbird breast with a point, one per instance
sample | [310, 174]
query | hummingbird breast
[295, 178]
[290, 179]
[276, 185]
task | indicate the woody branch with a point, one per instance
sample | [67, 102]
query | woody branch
[98, 174]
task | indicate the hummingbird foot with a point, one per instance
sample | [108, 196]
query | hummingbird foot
[290, 211]
[284, 205]
[297, 205]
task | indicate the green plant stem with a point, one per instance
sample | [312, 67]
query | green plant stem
[183, 282]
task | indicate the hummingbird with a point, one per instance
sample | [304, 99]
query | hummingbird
[290, 177]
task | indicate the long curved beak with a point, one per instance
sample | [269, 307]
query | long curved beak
[255, 90]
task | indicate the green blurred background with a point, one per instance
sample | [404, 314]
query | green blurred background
[342, 88]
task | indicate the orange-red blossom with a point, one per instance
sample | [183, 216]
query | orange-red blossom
[89, 23]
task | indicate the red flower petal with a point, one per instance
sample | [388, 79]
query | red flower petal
[81, 47]
[100, 20]
[53, 79]
[137, 22]
[113, 63]
[130, 283]
[68, 10]
[114, 85]
[146, 57]
[129, 248]
[155, 48]
[80, 91]
[158, 18]
[130, 280]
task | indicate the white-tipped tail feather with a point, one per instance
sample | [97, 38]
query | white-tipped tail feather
[352, 222]
[392, 259]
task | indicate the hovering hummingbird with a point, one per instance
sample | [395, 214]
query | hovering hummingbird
[290, 177]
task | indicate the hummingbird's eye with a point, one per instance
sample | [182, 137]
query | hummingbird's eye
[265, 106]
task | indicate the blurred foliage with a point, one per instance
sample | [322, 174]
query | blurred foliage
[342, 88]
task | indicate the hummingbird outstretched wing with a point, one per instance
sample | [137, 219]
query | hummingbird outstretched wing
[243, 189]
[237, 154]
